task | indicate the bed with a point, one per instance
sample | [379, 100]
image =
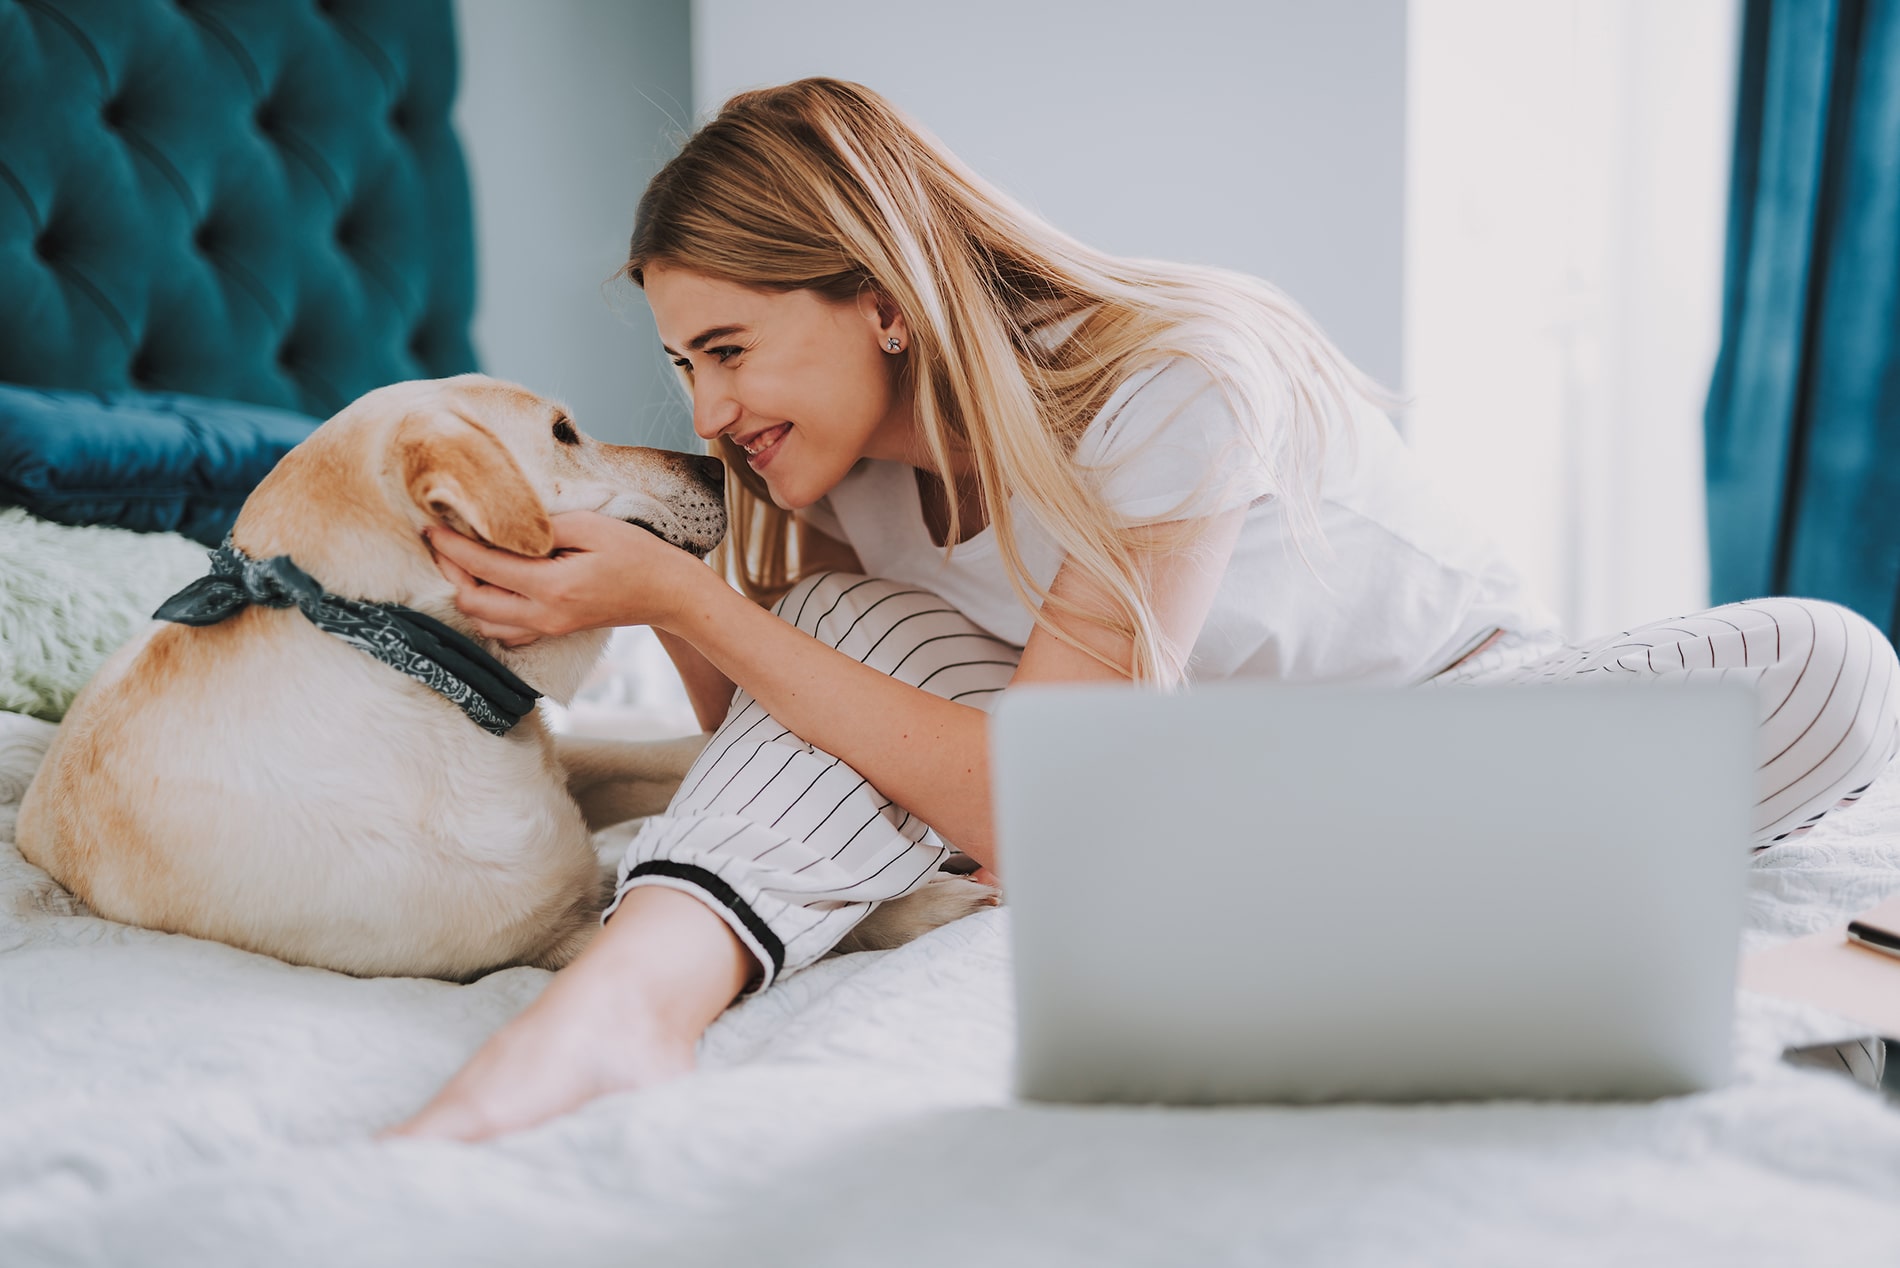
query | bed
[169, 1101]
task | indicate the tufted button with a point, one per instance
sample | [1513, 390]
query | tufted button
[201, 238]
[44, 248]
[143, 370]
[265, 117]
[399, 117]
[114, 113]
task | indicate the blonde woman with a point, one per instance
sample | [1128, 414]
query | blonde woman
[966, 452]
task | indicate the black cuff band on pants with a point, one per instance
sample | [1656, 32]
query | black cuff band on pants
[722, 893]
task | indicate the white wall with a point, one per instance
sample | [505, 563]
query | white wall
[1261, 135]
[1564, 279]
[566, 108]
[1538, 264]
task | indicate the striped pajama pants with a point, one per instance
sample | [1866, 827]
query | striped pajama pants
[791, 847]
[784, 841]
[1824, 677]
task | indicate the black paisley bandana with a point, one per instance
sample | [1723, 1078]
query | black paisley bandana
[445, 661]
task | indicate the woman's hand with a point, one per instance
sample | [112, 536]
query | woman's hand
[603, 572]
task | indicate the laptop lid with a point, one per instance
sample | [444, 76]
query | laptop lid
[1254, 892]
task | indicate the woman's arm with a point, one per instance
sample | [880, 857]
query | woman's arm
[927, 754]
[708, 688]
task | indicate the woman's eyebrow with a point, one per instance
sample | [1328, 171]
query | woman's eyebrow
[699, 341]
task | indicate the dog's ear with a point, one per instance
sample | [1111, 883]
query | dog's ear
[461, 476]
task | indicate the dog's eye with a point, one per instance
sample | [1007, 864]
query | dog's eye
[565, 433]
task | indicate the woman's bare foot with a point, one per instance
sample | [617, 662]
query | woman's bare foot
[626, 1014]
[557, 1055]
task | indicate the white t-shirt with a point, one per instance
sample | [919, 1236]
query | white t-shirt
[1400, 589]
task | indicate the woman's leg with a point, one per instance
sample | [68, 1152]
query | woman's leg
[1827, 679]
[787, 843]
[626, 1013]
[776, 849]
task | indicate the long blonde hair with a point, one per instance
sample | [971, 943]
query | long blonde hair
[1019, 334]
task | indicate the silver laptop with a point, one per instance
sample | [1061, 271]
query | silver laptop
[1249, 892]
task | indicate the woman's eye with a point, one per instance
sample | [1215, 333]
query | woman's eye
[721, 354]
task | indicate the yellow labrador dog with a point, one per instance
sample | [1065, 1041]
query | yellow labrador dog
[254, 777]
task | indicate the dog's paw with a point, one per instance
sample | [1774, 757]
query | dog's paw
[944, 899]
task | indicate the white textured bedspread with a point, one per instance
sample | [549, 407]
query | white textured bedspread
[170, 1101]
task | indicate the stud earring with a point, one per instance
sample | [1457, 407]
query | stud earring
[893, 344]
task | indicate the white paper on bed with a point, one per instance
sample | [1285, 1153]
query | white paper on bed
[170, 1101]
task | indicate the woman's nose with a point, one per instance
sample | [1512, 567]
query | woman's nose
[713, 411]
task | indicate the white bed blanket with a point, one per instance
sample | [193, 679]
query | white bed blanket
[170, 1101]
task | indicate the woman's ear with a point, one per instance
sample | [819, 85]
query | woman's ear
[464, 478]
[885, 319]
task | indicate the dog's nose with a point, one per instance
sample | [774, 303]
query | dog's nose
[712, 471]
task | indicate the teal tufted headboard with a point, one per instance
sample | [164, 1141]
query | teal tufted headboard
[259, 200]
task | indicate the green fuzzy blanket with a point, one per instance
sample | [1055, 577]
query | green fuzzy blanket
[70, 596]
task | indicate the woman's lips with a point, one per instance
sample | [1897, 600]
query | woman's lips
[762, 445]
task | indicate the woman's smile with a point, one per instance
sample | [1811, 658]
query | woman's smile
[759, 446]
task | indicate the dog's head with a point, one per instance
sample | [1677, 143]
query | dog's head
[493, 461]
[488, 459]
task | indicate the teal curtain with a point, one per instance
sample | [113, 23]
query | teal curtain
[1803, 419]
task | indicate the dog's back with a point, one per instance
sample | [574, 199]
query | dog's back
[262, 784]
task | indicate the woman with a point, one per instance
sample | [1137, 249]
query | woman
[1049, 465]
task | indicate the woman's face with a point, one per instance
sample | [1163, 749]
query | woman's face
[803, 384]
